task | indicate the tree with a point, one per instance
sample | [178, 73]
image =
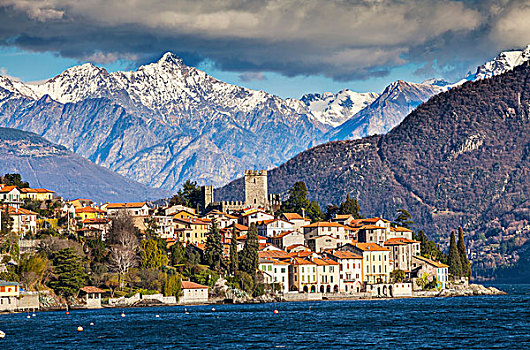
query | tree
[151, 256]
[466, 265]
[455, 265]
[213, 251]
[248, 258]
[33, 270]
[178, 255]
[172, 285]
[429, 249]
[96, 250]
[151, 227]
[314, 213]
[189, 195]
[331, 211]
[193, 257]
[234, 261]
[398, 276]
[297, 201]
[351, 207]
[403, 219]
[13, 180]
[69, 272]
[124, 243]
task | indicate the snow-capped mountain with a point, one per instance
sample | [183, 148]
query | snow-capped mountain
[505, 61]
[388, 110]
[334, 109]
[161, 124]
[166, 122]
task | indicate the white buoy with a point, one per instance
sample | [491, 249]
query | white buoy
[2, 335]
[33, 315]
[157, 316]
[123, 314]
[91, 323]
[79, 329]
[213, 309]
[28, 316]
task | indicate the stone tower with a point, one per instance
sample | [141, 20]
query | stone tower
[256, 194]
[207, 196]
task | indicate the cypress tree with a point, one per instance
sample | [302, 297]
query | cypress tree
[466, 265]
[350, 206]
[214, 247]
[249, 255]
[455, 265]
[234, 261]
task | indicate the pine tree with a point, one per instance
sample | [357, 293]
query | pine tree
[213, 251]
[466, 265]
[234, 261]
[403, 219]
[455, 265]
[249, 255]
[69, 271]
[350, 206]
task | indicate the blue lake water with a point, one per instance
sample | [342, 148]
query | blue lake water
[490, 322]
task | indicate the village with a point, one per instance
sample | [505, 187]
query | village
[346, 256]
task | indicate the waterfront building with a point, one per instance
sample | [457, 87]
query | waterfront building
[193, 293]
[350, 270]
[376, 261]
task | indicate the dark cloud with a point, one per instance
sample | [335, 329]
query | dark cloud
[344, 40]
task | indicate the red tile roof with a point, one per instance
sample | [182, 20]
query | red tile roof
[92, 289]
[125, 205]
[192, 285]
[370, 247]
[325, 224]
[344, 254]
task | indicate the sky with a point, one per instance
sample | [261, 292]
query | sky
[285, 47]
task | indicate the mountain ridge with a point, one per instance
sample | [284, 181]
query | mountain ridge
[45, 164]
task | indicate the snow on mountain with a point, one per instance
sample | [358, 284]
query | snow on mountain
[505, 61]
[387, 111]
[334, 109]
[161, 124]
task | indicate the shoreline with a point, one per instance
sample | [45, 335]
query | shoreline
[473, 290]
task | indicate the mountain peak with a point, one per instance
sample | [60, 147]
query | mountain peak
[170, 57]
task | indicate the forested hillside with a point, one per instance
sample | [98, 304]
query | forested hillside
[462, 158]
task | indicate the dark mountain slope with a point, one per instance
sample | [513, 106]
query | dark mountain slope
[462, 158]
[44, 164]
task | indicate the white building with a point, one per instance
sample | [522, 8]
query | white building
[133, 209]
[274, 227]
[275, 271]
[350, 270]
[253, 216]
[193, 293]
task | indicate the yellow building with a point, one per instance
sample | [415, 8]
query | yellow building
[191, 230]
[376, 261]
[302, 275]
[184, 214]
[36, 194]
[80, 203]
[88, 213]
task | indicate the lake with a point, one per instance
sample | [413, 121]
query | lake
[488, 322]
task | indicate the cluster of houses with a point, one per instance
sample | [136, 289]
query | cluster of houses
[344, 255]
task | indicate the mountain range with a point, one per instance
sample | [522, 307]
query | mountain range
[460, 159]
[166, 122]
[48, 165]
